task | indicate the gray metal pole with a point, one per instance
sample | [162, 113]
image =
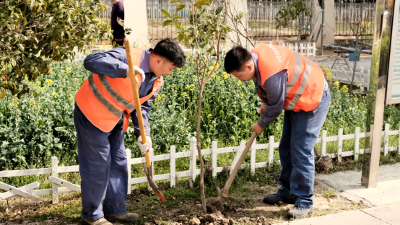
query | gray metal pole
[377, 91]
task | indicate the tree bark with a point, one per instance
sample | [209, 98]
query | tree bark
[203, 196]
[355, 65]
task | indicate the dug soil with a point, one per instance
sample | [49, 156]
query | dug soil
[246, 208]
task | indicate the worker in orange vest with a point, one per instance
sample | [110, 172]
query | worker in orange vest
[286, 80]
[103, 106]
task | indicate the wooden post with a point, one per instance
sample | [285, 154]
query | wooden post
[214, 157]
[172, 166]
[271, 151]
[356, 143]
[340, 144]
[128, 164]
[54, 173]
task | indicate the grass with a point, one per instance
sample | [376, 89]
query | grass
[329, 193]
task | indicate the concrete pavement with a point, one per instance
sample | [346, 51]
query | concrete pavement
[383, 201]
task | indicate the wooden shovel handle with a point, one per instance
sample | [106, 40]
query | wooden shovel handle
[239, 163]
[136, 97]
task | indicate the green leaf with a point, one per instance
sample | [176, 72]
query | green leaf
[176, 1]
[219, 9]
[177, 25]
[180, 7]
[166, 13]
[180, 37]
[166, 23]
[200, 3]
[186, 38]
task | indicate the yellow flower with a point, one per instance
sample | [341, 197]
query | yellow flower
[209, 116]
[38, 83]
[48, 82]
[239, 83]
[68, 70]
[344, 89]
[54, 94]
[336, 84]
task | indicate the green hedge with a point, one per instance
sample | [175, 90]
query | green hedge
[40, 124]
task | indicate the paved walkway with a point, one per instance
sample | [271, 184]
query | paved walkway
[384, 201]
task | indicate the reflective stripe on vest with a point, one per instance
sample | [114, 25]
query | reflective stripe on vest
[110, 107]
[303, 82]
[131, 107]
[104, 100]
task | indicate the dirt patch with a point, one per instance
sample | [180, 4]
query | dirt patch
[248, 210]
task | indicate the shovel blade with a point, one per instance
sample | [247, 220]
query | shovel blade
[152, 184]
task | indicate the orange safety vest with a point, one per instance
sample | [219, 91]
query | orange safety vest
[305, 79]
[103, 100]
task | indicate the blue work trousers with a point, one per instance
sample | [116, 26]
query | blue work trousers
[296, 151]
[103, 168]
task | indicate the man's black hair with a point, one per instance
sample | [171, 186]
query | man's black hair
[236, 59]
[170, 49]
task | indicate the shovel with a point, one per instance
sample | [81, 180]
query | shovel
[224, 192]
[148, 167]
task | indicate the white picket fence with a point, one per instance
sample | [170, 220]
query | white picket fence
[28, 192]
[344, 76]
[303, 48]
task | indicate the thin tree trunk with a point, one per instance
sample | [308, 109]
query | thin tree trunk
[355, 66]
[203, 196]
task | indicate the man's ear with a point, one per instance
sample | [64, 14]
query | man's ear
[249, 66]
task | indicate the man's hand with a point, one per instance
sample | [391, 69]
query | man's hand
[262, 108]
[144, 147]
[257, 128]
[139, 71]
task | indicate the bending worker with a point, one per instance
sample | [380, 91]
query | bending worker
[287, 80]
[103, 106]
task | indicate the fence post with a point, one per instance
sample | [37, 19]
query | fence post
[323, 143]
[356, 143]
[313, 49]
[340, 144]
[398, 146]
[370, 136]
[386, 140]
[193, 157]
[301, 48]
[253, 157]
[129, 157]
[54, 173]
[271, 151]
[172, 166]
[214, 155]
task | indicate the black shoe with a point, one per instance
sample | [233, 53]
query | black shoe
[275, 199]
[299, 212]
[127, 217]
